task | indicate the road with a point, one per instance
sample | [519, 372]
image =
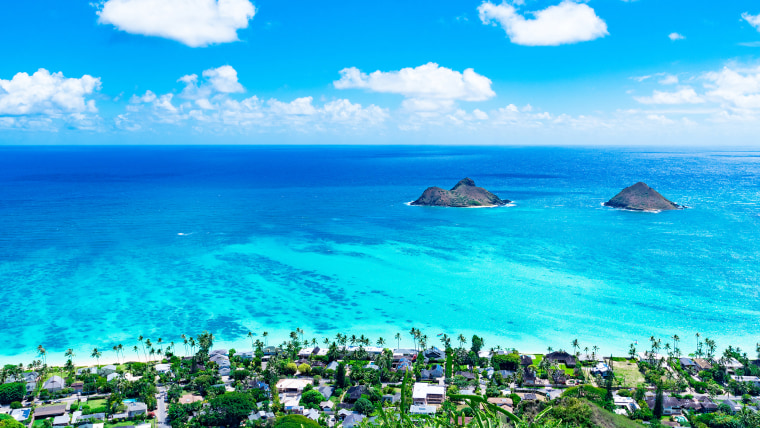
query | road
[161, 408]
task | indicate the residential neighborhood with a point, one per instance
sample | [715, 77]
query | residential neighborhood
[348, 383]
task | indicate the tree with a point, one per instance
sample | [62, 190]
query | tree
[340, 376]
[363, 406]
[295, 421]
[304, 369]
[311, 399]
[10, 392]
[398, 342]
[96, 354]
[658, 403]
[228, 410]
[177, 415]
[477, 344]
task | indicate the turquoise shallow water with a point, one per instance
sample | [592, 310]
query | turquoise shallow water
[100, 245]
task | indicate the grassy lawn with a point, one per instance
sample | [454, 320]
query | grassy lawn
[39, 423]
[96, 403]
[537, 360]
[628, 374]
[152, 423]
[568, 371]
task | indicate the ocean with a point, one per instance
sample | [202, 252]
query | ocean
[99, 245]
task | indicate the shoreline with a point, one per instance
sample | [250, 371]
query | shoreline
[531, 345]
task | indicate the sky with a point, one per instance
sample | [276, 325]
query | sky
[521, 72]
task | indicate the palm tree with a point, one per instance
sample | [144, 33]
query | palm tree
[159, 344]
[576, 345]
[353, 339]
[116, 351]
[42, 353]
[398, 340]
[596, 349]
[250, 336]
[96, 354]
[140, 339]
[137, 351]
[152, 352]
[266, 341]
[120, 347]
[380, 342]
[462, 340]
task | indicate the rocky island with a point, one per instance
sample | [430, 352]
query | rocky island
[641, 197]
[464, 194]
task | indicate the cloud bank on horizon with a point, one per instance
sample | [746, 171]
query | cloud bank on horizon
[567, 72]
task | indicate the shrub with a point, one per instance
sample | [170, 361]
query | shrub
[363, 406]
[11, 392]
[290, 369]
[304, 369]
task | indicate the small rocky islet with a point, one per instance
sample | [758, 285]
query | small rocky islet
[641, 197]
[464, 195]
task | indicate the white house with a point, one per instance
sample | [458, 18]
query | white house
[425, 393]
[54, 384]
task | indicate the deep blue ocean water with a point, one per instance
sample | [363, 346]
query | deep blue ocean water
[101, 244]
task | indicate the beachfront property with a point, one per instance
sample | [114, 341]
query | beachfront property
[307, 382]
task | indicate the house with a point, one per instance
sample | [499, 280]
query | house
[326, 391]
[526, 360]
[190, 398]
[434, 354]
[92, 425]
[29, 378]
[425, 393]
[312, 414]
[735, 407]
[352, 420]
[91, 370]
[48, 411]
[670, 405]
[701, 364]
[392, 398]
[561, 357]
[372, 366]
[589, 358]
[421, 409]
[627, 403]
[247, 355]
[112, 376]
[692, 405]
[332, 366]
[505, 374]
[224, 371]
[650, 357]
[503, 402]
[61, 421]
[559, 377]
[135, 408]
[94, 417]
[404, 365]
[485, 354]
[355, 392]
[435, 372]
[163, 368]
[687, 364]
[291, 385]
[107, 370]
[466, 375]
[708, 406]
[261, 415]
[78, 387]
[326, 406]
[732, 364]
[222, 361]
[529, 376]
[20, 414]
[754, 380]
[601, 369]
[529, 397]
[54, 384]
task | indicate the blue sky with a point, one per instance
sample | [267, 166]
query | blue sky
[607, 72]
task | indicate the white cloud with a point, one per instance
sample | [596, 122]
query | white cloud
[675, 36]
[567, 22]
[44, 93]
[223, 79]
[737, 87]
[195, 23]
[669, 79]
[684, 96]
[299, 106]
[754, 20]
[210, 105]
[428, 82]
